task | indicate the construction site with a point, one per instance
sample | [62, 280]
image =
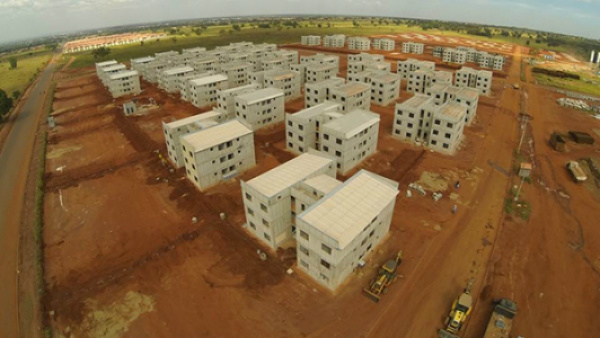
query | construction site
[132, 248]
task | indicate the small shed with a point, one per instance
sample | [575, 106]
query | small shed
[129, 108]
[525, 169]
[557, 142]
[581, 137]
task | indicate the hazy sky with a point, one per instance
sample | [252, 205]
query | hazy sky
[30, 18]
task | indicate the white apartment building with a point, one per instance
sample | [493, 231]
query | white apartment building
[124, 83]
[317, 92]
[351, 96]
[260, 108]
[469, 97]
[184, 83]
[413, 48]
[274, 62]
[322, 59]
[237, 73]
[287, 80]
[205, 91]
[226, 98]
[195, 51]
[315, 72]
[165, 56]
[478, 79]
[207, 64]
[419, 80]
[257, 78]
[384, 44]
[350, 138]
[495, 62]
[174, 130]
[365, 57]
[361, 66]
[359, 43]
[218, 153]
[291, 56]
[103, 64]
[405, 68]
[442, 77]
[385, 86]
[302, 128]
[268, 201]
[139, 63]
[454, 55]
[169, 79]
[310, 40]
[336, 234]
[107, 71]
[418, 119]
[336, 41]
[153, 69]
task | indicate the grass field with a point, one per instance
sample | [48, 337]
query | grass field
[585, 85]
[28, 64]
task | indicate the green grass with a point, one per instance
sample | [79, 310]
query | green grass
[586, 85]
[27, 68]
[39, 219]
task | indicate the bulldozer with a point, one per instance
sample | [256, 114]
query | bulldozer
[386, 276]
[461, 308]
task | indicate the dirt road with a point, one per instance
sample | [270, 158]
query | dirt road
[14, 161]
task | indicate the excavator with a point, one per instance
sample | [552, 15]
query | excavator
[461, 308]
[387, 275]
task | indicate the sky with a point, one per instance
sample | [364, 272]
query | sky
[22, 19]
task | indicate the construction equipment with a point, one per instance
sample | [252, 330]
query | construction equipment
[500, 323]
[387, 275]
[461, 308]
[577, 173]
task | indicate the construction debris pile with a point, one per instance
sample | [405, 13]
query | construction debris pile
[573, 103]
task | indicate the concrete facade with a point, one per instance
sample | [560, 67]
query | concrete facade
[351, 96]
[469, 97]
[478, 79]
[204, 91]
[104, 73]
[124, 83]
[336, 234]
[226, 98]
[260, 108]
[405, 68]
[218, 153]
[322, 59]
[139, 63]
[385, 86]
[302, 128]
[310, 40]
[268, 201]
[152, 70]
[288, 81]
[173, 131]
[350, 138]
[412, 48]
[169, 79]
[337, 41]
[359, 43]
[384, 44]
[317, 92]
[237, 74]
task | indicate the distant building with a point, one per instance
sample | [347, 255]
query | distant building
[359, 43]
[310, 40]
[205, 91]
[124, 83]
[169, 79]
[260, 108]
[139, 63]
[287, 80]
[237, 73]
[384, 44]
[226, 98]
[322, 59]
[412, 48]
[405, 68]
[478, 79]
[337, 41]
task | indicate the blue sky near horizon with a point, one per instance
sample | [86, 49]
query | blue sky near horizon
[21, 19]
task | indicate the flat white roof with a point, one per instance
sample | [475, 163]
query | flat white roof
[316, 110]
[323, 183]
[145, 59]
[416, 101]
[193, 119]
[243, 89]
[261, 95]
[453, 110]
[121, 75]
[289, 173]
[106, 63]
[209, 79]
[171, 52]
[353, 88]
[112, 68]
[178, 70]
[345, 212]
[353, 123]
[216, 135]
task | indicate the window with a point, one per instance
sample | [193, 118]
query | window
[252, 225]
[250, 211]
[325, 248]
[265, 223]
[304, 235]
[338, 141]
[263, 207]
[325, 264]
[267, 237]
[445, 145]
[303, 250]
[437, 122]
[304, 264]
[447, 135]
[325, 136]
[338, 153]
[450, 125]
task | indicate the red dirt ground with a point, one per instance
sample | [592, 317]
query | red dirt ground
[125, 226]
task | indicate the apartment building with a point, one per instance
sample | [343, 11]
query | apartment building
[175, 130]
[195, 51]
[260, 108]
[205, 90]
[384, 44]
[237, 73]
[351, 96]
[413, 48]
[274, 62]
[361, 66]
[385, 86]
[302, 128]
[226, 98]
[336, 41]
[153, 69]
[454, 55]
[104, 64]
[336, 234]
[291, 56]
[124, 83]
[365, 57]
[169, 79]
[469, 97]
[322, 59]
[218, 153]
[310, 40]
[405, 68]
[165, 56]
[359, 43]
[350, 138]
[106, 72]
[139, 63]
[316, 72]
[419, 119]
[478, 79]
[268, 201]
[495, 62]
[438, 51]
[419, 80]
[257, 78]
[207, 64]
[287, 80]
[318, 92]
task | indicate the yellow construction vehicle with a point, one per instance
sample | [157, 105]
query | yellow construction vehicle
[387, 275]
[461, 308]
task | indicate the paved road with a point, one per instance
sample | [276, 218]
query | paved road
[15, 157]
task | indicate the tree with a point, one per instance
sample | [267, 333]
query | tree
[174, 39]
[101, 52]
[236, 27]
[16, 94]
[13, 62]
[5, 103]
[142, 43]
[528, 42]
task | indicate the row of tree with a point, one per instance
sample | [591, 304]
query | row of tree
[6, 102]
